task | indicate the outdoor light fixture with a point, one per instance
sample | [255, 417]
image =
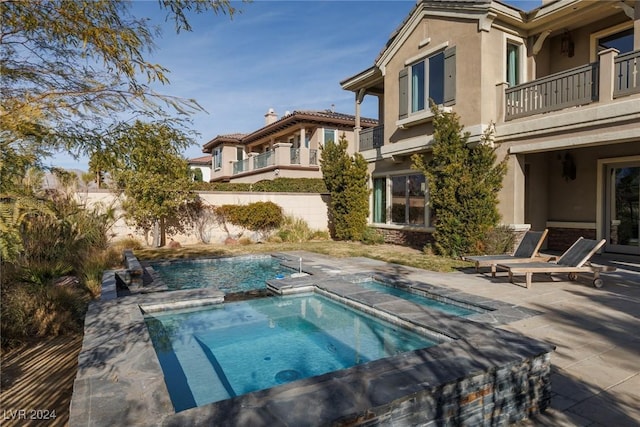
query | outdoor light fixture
[566, 44]
[568, 167]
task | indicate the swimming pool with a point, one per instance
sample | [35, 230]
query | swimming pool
[230, 349]
[448, 306]
[233, 274]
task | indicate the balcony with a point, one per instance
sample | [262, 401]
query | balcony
[240, 166]
[288, 161]
[371, 138]
[263, 160]
[295, 156]
[627, 74]
[578, 86]
[610, 78]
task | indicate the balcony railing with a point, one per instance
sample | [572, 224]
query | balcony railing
[371, 138]
[578, 86]
[627, 74]
[295, 156]
[263, 160]
[281, 157]
[240, 166]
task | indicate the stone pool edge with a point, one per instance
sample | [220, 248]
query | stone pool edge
[492, 377]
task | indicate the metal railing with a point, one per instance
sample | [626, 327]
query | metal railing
[295, 156]
[627, 74]
[578, 86]
[371, 138]
[313, 156]
[263, 160]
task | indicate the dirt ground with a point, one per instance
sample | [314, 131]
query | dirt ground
[37, 382]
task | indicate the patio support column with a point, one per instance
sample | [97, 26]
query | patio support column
[512, 194]
[304, 150]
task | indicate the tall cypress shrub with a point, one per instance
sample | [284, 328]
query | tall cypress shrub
[345, 177]
[464, 180]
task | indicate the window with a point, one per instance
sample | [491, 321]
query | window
[619, 37]
[513, 64]
[330, 135]
[408, 200]
[622, 41]
[428, 78]
[307, 140]
[417, 87]
[427, 82]
[217, 158]
[380, 200]
[239, 153]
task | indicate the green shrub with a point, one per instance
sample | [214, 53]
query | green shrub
[499, 240]
[127, 243]
[320, 235]
[37, 311]
[346, 179]
[371, 236]
[262, 217]
[464, 180]
[278, 185]
[294, 230]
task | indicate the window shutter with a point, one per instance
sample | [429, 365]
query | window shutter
[403, 99]
[450, 76]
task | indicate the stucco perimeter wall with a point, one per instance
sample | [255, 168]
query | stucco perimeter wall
[313, 208]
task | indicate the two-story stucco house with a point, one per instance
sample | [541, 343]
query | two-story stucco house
[561, 84]
[283, 147]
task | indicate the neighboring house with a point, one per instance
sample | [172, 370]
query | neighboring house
[202, 163]
[285, 147]
[561, 83]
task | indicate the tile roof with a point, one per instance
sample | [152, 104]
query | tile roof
[219, 139]
[200, 160]
[291, 119]
[311, 117]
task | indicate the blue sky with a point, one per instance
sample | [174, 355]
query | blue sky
[286, 55]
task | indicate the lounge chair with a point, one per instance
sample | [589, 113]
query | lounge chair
[575, 260]
[527, 251]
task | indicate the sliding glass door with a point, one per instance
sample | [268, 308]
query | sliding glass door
[623, 208]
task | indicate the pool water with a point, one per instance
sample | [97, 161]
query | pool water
[235, 274]
[236, 348]
[449, 308]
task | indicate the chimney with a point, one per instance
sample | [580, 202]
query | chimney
[270, 117]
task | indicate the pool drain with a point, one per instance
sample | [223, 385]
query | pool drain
[287, 375]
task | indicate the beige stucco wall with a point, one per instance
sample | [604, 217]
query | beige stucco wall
[464, 35]
[310, 207]
[576, 200]
[534, 191]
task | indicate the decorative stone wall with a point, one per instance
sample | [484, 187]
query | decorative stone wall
[498, 397]
[560, 239]
[411, 238]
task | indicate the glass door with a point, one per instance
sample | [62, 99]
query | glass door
[623, 210]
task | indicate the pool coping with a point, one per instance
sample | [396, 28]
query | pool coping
[120, 380]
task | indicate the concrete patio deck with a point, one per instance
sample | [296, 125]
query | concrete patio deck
[595, 378]
[596, 365]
